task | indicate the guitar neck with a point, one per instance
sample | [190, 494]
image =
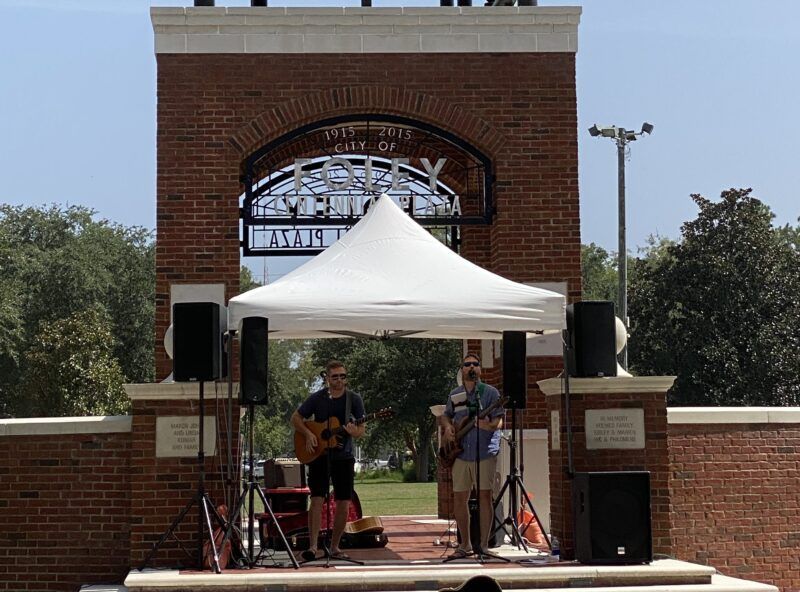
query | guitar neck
[357, 422]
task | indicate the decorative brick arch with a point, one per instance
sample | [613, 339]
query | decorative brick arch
[366, 99]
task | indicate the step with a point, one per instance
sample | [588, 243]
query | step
[659, 575]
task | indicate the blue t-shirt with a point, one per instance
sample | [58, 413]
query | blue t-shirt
[322, 406]
[459, 403]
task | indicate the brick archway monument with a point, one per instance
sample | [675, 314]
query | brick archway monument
[244, 94]
[233, 80]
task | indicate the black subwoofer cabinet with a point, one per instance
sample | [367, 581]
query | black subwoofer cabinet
[612, 517]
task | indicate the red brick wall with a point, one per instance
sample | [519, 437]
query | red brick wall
[215, 110]
[735, 499]
[64, 510]
[66, 500]
[161, 487]
[653, 458]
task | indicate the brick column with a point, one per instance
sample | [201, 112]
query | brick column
[163, 483]
[647, 393]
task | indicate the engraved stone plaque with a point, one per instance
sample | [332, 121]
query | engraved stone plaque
[614, 428]
[178, 435]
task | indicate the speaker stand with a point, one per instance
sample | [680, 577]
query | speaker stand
[205, 507]
[514, 485]
[249, 491]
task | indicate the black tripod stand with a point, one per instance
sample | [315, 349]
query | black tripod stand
[247, 495]
[514, 485]
[206, 510]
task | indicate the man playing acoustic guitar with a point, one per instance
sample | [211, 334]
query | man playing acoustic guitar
[465, 404]
[331, 402]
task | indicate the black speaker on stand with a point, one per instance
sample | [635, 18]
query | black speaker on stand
[515, 368]
[196, 341]
[515, 387]
[254, 357]
[612, 517]
[253, 387]
[196, 349]
[591, 330]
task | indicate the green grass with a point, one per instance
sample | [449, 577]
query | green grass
[395, 498]
[385, 494]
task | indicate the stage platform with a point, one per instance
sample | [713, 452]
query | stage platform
[413, 561]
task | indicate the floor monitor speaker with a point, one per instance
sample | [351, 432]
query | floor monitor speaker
[591, 331]
[254, 356]
[612, 517]
[196, 341]
[515, 368]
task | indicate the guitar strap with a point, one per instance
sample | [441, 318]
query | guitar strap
[348, 402]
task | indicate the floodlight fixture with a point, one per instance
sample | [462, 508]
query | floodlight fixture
[606, 131]
[647, 128]
[609, 132]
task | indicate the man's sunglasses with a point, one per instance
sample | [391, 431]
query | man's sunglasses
[335, 376]
[468, 364]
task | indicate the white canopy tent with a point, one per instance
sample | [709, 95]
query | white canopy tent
[389, 277]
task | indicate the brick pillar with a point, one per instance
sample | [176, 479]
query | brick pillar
[164, 481]
[647, 393]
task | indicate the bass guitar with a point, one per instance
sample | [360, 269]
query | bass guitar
[450, 449]
[327, 434]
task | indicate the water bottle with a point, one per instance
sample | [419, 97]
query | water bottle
[555, 549]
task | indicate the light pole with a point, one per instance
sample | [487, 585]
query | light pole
[621, 137]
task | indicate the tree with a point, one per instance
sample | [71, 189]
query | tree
[246, 280]
[57, 263]
[70, 369]
[721, 308]
[599, 274]
[408, 375]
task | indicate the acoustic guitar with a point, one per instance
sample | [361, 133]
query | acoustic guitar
[328, 435]
[224, 553]
[450, 449]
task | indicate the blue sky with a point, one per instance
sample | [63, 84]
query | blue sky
[717, 78]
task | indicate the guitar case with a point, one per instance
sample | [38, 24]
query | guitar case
[363, 540]
[295, 528]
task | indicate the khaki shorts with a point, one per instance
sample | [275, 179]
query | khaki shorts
[464, 473]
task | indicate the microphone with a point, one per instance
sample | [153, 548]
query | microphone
[471, 374]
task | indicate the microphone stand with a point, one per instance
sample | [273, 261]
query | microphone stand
[481, 554]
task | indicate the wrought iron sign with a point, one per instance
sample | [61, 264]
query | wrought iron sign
[306, 189]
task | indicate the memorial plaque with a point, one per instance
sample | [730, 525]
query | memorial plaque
[178, 435]
[614, 428]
